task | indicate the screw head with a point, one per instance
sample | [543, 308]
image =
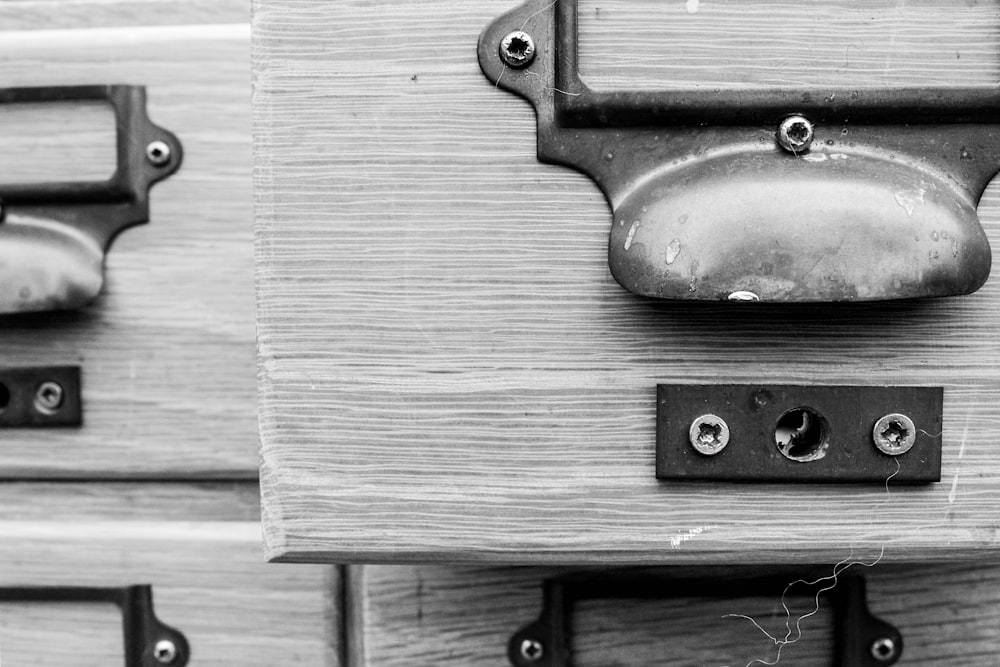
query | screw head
[165, 651]
[894, 434]
[517, 49]
[709, 434]
[49, 397]
[158, 153]
[795, 134]
[883, 649]
[532, 650]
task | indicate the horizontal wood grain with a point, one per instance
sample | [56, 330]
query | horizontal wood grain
[69, 141]
[195, 545]
[416, 616]
[648, 44]
[62, 14]
[448, 369]
[167, 349]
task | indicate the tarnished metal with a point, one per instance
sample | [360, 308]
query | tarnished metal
[709, 434]
[517, 49]
[708, 205]
[54, 236]
[791, 433]
[148, 641]
[894, 434]
[857, 633]
[40, 397]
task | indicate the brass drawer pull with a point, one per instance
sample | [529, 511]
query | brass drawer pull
[779, 194]
[54, 236]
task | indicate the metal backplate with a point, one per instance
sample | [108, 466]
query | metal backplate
[770, 440]
[708, 203]
[546, 642]
[47, 396]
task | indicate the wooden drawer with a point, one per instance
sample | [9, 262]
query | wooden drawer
[449, 370]
[199, 548]
[167, 349]
[434, 615]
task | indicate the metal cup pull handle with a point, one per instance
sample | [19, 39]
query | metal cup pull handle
[781, 194]
[54, 236]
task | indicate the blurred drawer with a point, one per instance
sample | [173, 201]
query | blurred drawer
[167, 349]
[199, 549]
[442, 616]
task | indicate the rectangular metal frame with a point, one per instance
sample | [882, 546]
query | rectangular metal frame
[586, 107]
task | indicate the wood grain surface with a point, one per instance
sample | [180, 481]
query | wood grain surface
[448, 369]
[416, 616]
[199, 548]
[650, 45]
[167, 349]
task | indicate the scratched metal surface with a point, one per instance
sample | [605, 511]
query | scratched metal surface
[448, 369]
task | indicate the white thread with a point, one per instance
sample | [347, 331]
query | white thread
[838, 569]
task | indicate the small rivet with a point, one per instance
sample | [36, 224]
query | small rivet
[894, 434]
[709, 434]
[532, 650]
[158, 153]
[883, 649]
[165, 651]
[517, 49]
[49, 397]
[795, 134]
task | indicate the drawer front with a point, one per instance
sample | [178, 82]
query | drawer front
[199, 549]
[449, 369]
[166, 350]
[433, 615]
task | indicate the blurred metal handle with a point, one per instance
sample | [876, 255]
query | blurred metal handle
[54, 236]
[148, 641]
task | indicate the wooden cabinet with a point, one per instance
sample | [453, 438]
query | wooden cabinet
[448, 368]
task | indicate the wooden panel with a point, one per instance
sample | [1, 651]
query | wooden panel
[647, 44]
[167, 349]
[448, 368]
[432, 615]
[208, 576]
